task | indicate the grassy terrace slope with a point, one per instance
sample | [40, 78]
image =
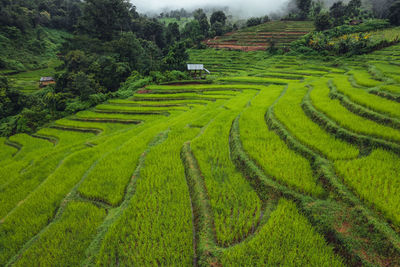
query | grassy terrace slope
[26, 65]
[260, 37]
[283, 162]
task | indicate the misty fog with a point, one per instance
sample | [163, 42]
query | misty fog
[240, 8]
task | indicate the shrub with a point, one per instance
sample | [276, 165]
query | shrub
[75, 106]
[322, 22]
[253, 22]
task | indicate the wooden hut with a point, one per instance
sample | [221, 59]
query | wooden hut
[356, 21]
[197, 71]
[44, 81]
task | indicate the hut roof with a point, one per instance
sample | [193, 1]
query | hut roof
[46, 79]
[195, 66]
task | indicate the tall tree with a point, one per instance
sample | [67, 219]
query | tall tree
[322, 21]
[172, 34]
[338, 12]
[316, 8]
[218, 16]
[394, 15]
[193, 32]
[176, 57]
[353, 8]
[304, 6]
[104, 18]
[201, 17]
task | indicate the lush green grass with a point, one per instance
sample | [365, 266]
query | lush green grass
[65, 241]
[287, 239]
[101, 127]
[138, 109]
[123, 192]
[269, 151]
[65, 138]
[172, 103]
[94, 115]
[31, 150]
[280, 75]
[363, 78]
[181, 22]
[169, 97]
[333, 109]
[150, 223]
[366, 99]
[21, 182]
[259, 80]
[107, 181]
[289, 112]
[228, 191]
[29, 56]
[6, 151]
[28, 81]
[387, 68]
[392, 88]
[376, 178]
[203, 88]
[38, 208]
[389, 34]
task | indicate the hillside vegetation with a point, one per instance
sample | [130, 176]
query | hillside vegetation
[283, 157]
[280, 161]
[275, 33]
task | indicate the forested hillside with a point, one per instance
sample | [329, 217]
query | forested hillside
[94, 46]
[280, 161]
[285, 156]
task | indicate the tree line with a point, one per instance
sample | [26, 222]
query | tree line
[110, 42]
[328, 14]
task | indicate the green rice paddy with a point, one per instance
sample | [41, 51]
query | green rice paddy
[280, 161]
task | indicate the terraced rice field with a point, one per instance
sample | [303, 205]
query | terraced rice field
[283, 162]
[28, 82]
[260, 37]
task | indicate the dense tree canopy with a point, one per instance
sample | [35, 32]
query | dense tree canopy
[394, 15]
[304, 7]
[218, 16]
[353, 8]
[338, 11]
[110, 41]
[322, 21]
[201, 17]
[26, 14]
[102, 18]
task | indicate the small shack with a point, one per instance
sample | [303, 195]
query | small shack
[197, 71]
[356, 21]
[44, 81]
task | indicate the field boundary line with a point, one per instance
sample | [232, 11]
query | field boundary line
[361, 110]
[105, 120]
[52, 139]
[68, 153]
[343, 133]
[58, 211]
[385, 94]
[14, 145]
[68, 198]
[95, 131]
[326, 172]
[204, 240]
[115, 212]
[132, 112]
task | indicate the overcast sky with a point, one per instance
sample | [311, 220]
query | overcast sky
[244, 8]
